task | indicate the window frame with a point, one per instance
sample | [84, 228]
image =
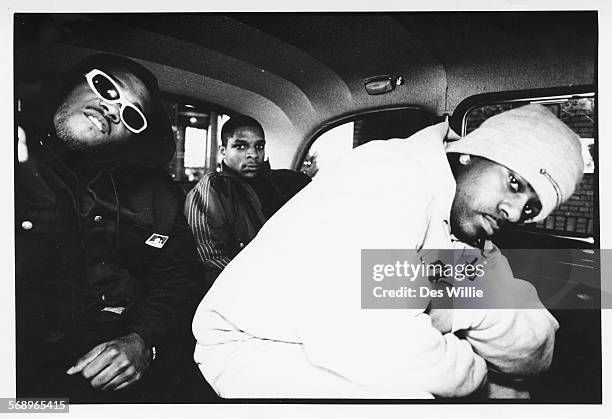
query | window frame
[198, 104]
[346, 118]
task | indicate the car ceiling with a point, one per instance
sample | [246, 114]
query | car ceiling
[297, 71]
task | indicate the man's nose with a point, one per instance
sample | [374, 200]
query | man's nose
[251, 152]
[111, 111]
[511, 207]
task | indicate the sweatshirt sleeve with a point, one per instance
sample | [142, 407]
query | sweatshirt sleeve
[517, 339]
[399, 355]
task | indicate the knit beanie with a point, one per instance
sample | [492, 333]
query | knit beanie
[534, 143]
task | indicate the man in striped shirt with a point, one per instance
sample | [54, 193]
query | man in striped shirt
[226, 209]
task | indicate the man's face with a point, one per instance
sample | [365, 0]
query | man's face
[489, 195]
[245, 151]
[86, 122]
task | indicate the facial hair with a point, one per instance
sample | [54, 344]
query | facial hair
[62, 129]
[73, 143]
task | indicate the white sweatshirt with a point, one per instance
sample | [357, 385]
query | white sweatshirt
[284, 319]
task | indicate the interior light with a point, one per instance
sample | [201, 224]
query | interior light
[193, 119]
[378, 85]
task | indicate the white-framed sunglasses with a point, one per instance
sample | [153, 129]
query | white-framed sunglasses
[107, 89]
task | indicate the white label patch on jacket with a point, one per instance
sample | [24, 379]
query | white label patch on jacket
[157, 240]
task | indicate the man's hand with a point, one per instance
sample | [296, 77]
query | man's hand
[115, 364]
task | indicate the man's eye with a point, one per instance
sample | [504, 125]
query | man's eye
[530, 211]
[260, 147]
[514, 183]
[240, 147]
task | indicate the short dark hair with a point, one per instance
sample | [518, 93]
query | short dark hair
[235, 122]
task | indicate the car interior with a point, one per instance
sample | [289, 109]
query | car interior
[323, 83]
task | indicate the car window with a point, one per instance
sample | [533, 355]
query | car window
[575, 218]
[333, 143]
[197, 131]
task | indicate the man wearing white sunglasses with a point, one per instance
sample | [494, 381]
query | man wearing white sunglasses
[100, 114]
[106, 269]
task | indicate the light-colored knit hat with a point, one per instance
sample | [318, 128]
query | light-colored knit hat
[534, 143]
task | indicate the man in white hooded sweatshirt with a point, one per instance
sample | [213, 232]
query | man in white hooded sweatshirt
[285, 320]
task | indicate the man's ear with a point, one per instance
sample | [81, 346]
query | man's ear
[222, 150]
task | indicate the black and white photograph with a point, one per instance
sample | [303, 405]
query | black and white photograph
[394, 207]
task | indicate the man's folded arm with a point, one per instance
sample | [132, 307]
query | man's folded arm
[518, 338]
[402, 357]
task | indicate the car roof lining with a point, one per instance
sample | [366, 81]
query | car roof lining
[297, 71]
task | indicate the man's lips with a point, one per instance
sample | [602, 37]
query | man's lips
[97, 120]
[490, 225]
[252, 167]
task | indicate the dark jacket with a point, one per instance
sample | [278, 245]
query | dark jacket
[88, 266]
[225, 211]
[84, 273]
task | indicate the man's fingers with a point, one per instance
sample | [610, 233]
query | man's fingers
[116, 368]
[112, 365]
[105, 359]
[127, 383]
[126, 378]
[115, 382]
[86, 359]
